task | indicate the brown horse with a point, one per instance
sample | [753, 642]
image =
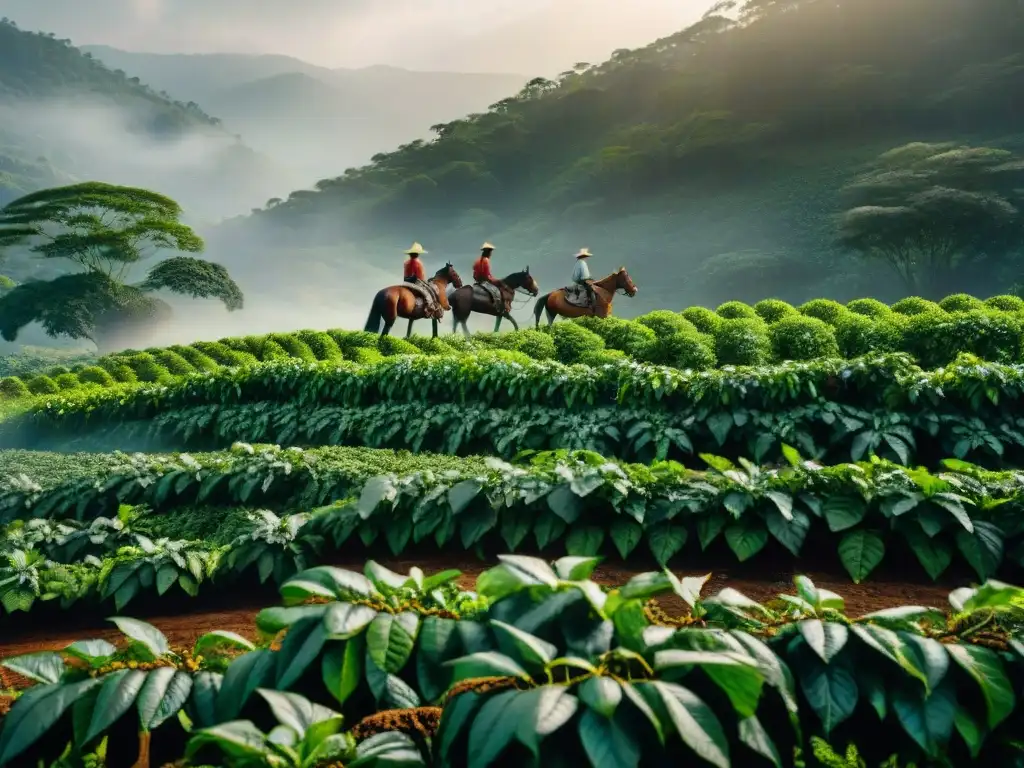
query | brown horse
[605, 289]
[473, 299]
[403, 301]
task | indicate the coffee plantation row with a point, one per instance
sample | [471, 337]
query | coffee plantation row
[827, 432]
[579, 503]
[696, 338]
[540, 666]
[877, 380]
[116, 560]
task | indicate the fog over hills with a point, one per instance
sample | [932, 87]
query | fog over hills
[315, 120]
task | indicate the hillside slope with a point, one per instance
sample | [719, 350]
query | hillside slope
[316, 120]
[709, 162]
[64, 116]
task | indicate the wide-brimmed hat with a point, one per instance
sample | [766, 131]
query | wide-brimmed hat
[584, 253]
[415, 250]
[486, 247]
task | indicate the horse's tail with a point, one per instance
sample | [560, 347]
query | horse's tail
[376, 313]
[539, 308]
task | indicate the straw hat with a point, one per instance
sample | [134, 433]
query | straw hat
[486, 247]
[584, 253]
[415, 250]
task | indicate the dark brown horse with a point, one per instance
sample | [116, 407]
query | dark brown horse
[557, 304]
[406, 302]
[472, 298]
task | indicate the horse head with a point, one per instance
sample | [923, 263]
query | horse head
[448, 273]
[524, 280]
[624, 281]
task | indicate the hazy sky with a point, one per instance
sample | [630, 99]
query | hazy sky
[522, 36]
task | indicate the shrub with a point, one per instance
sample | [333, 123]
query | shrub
[628, 336]
[42, 385]
[175, 364]
[1005, 303]
[604, 357]
[736, 310]
[488, 340]
[148, 369]
[196, 359]
[11, 388]
[868, 308]
[534, 344]
[56, 371]
[428, 345]
[686, 350]
[349, 341]
[459, 342]
[366, 356]
[826, 310]
[914, 305]
[506, 355]
[247, 345]
[802, 338]
[743, 342]
[961, 302]
[67, 381]
[858, 335]
[223, 355]
[391, 345]
[93, 374]
[703, 319]
[665, 323]
[572, 342]
[295, 347]
[773, 310]
[119, 370]
[266, 349]
[322, 345]
[936, 339]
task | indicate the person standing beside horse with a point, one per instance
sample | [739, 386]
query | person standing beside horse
[581, 276]
[482, 276]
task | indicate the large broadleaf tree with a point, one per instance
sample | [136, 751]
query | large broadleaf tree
[102, 232]
[938, 213]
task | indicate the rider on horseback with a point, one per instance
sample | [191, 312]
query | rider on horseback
[483, 277]
[415, 273]
[581, 276]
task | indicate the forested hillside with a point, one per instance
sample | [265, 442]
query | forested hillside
[65, 116]
[713, 157]
[314, 119]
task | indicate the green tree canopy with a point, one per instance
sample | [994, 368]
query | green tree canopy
[103, 230]
[931, 211]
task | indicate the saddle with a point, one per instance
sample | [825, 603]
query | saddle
[490, 292]
[428, 298]
[576, 295]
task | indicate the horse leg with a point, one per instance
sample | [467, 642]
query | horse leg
[390, 314]
[465, 328]
[433, 322]
[497, 323]
[551, 316]
[408, 333]
[515, 325]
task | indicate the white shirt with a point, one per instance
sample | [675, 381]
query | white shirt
[582, 271]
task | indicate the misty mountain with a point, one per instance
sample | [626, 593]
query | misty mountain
[65, 116]
[709, 162]
[315, 120]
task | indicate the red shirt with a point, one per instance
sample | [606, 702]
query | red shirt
[482, 270]
[414, 268]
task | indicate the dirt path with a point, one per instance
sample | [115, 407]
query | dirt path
[236, 613]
